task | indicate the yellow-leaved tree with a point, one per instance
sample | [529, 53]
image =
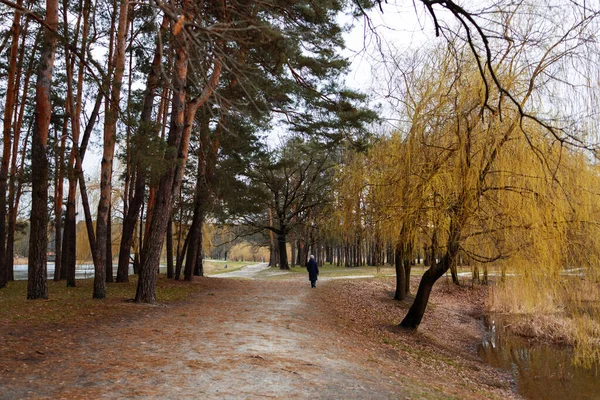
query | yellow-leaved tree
[484, 185]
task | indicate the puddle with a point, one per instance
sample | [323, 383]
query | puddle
[541, 371]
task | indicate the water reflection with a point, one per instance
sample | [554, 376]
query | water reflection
[541, 371]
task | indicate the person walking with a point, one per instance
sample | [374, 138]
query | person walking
[313, 271]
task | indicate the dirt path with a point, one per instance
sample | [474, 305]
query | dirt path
[236, 339]
[247, 272]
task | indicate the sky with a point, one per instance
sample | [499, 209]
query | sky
[398, 27]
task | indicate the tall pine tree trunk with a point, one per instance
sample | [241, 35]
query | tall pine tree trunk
[109, 253]
[37, 286]
[110, 138]
[195, 234]
[58, 200]
[146, 288]
[16, 175]
[181, 257]
[69, 253]
[129, 223]
[170, 266]
[199, 266]
[146, 129]
[182, 119]
[194, 245]
[11, 90]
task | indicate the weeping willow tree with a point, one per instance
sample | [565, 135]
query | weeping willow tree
[488, 185]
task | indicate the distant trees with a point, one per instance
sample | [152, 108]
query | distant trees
[293, 185]
[220, 71]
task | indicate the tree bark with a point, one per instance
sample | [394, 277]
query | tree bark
[109, 253]
[69, 253]
[400, 293]
[110, 133]
[194, 239]
[199, 267]
[77, 172]
[170, 267]
[178, 144]
[180, 257]
[408, 257]
[37, 286]
[129, 223]
[454, 273]
[146, 288]
[283, 260]
[417, 309]
[15, 187]
[146, 129]
[11, 89]
[58, 201]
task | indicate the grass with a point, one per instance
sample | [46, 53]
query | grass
[332, 271]
[68, 304]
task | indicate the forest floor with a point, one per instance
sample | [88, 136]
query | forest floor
[253, 339]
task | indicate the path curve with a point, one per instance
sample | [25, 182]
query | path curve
[248, 272]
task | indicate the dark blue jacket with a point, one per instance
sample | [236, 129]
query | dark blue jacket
[313, 269]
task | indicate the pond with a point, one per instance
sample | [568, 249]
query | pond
[541, 371]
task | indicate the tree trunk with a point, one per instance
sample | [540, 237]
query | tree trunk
[273, 256]
[293, 248]
[37, 286]
[179, 135]
[146, 129]
[180, 257]
[417, 309]
[476, 278]
[58, 200]
[400, 274]
[454, 274]
[170, 266]
[9, 106]
[485, 280]
[69, 254]
[283, 260]
[408, 256]
[199, 267]
[194, 237]
[128, 229]
[77, 173]
[146, 289]
[109, 253]
[195, 234]
[14, 200]
[15, 188]
[110, 138]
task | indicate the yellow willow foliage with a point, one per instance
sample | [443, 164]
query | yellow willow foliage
[521, 203]
[553, 243]
[347, 210]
